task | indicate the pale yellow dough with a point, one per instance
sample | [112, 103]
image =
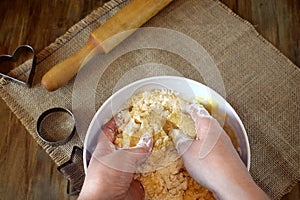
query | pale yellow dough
[157, 113]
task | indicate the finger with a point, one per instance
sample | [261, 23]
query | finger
[135, 191]
[208, 133]
[104, 147]
[141, 151]
[196, 111]
[106, 138]
[146, 142]
[127, 160]
[110, 129]
[182, 141]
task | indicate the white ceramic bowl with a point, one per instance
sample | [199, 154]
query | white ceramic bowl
[187, 88]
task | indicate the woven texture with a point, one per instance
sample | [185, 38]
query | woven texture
[261, 84]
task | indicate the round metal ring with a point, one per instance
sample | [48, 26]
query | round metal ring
[45, 114]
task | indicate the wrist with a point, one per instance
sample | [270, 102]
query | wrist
[94, 187]
[89, 192]
[243, 189]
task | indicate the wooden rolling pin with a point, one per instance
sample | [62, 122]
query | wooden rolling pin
[131, 17]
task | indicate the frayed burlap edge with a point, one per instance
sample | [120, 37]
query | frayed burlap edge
[73, 31]
[76, 29]
[100, 12]
[29, 122]
[64, 39]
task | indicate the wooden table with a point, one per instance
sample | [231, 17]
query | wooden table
[26, 170]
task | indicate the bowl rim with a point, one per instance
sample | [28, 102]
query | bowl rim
[108, 100]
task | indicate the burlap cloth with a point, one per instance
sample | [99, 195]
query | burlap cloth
[261, 84]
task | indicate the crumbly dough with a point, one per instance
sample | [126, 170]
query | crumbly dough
[157, 113]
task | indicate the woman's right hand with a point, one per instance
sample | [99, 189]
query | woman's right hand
[212, 160]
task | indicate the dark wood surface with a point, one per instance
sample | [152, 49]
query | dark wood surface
[26, 170]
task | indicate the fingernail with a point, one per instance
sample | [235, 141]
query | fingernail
[145, 141]
[178, 135]
[141, 186]
[182, 141]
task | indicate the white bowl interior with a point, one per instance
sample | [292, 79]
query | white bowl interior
[187, 88]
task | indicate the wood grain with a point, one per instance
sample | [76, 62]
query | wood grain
[131, 17]
[276, 20]
[27, 172]
[39, 23]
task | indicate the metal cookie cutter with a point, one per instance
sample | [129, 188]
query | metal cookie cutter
[56, 126]
[20, 55]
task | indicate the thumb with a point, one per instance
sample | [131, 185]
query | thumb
[208, 132]
[127, 160]
[140, 152]
[182, 141]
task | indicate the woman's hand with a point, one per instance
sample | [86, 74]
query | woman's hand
[212, 160]
[110, 171]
